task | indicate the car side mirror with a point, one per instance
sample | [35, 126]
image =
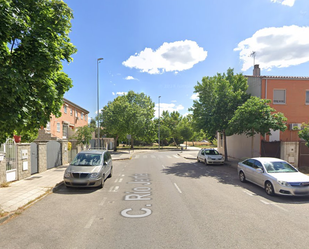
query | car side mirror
[259, 170]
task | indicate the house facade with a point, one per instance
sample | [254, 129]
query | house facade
[289, 95]
[72, 117]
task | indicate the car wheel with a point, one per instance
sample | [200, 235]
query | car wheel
[242, 176]
[269, 189]
[111, 173]
[198, 160]
[102, 182]
[206, 162]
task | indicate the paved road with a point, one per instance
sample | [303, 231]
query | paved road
[161, 200]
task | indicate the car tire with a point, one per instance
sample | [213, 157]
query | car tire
[242, 176]
[102, 182]
[198, 160]
[111, 173]
[206, 162]
[269, 189]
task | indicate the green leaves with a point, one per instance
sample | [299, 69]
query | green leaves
[255, 116]
[33, 43]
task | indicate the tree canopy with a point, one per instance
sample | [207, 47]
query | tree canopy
[33, 43]
[218, 98]
[129, 114]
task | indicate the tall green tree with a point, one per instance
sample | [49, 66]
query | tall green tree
[84, 134]
[218, 98]
[185, 129]
[255, 116]
[130, 114]
[304, 133]
[34, 42]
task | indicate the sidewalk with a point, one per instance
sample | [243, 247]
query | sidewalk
[20, 194]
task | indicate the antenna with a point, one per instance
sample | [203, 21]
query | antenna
[253, 55]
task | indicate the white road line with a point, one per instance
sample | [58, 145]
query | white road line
[90, 222]
[116, 180]
[120, 180]
[248, 192]
[274, 204]
[163, 166]
[175, 156]
[110, 189]
[103, 201]
[178, 188]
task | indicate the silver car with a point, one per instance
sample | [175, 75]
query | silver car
[89, 169]
[276, 176]
[210, 156]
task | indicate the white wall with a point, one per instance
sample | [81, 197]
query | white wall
[239, 146]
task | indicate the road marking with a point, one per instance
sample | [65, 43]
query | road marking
[178, 188]
[120, 180]
[175, 156]
[90, 222]
[274, 204]
[103, 201]
[249, 192]
[116, 180]
[114, 189]
[163, 166]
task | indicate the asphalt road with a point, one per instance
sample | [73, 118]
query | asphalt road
[161, 200]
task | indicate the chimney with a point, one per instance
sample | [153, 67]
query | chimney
[256, 71]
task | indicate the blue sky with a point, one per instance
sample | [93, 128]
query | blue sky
[163, 48]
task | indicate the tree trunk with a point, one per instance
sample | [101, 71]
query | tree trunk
[115, 144]
[225, 146]
[132, 142]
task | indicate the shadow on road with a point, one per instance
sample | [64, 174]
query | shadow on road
[63, 190]
[226, 174]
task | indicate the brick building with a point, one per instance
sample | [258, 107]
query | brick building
[73, 116]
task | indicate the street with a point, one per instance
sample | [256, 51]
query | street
[161, 200]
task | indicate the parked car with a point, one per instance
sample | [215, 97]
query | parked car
[210, 156]
[276, 176]
[89, 169]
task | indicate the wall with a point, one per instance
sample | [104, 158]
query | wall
[290, 152]
[239, 146]
[23, 161]
[42, 157]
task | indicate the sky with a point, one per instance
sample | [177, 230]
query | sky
[165, 47]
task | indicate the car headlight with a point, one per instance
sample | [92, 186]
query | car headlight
[67, 174]
[284, 183]
[94, 175]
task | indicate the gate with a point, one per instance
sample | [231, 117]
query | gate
[303, 161]
[34, 158]
[270, 149]
[10, 150]
[53, 153]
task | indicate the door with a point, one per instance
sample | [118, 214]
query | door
[11, 160]
[54, 157]
[34, 158]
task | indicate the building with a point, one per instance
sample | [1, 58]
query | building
[289, 95]
[72, 117]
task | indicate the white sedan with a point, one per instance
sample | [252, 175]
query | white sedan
[210, 156]
[276, 176]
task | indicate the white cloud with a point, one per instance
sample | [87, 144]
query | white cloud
[119, 93]
[167, 107]
[130, 78]
[276, 47]
[170, 57]
[194, 96]
[289, 3]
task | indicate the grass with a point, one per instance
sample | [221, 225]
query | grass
[4, 185]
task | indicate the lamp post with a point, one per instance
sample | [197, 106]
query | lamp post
[98, 96]
[159, 123]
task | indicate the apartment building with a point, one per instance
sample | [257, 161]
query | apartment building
[73, 116]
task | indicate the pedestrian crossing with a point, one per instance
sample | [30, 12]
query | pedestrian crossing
[155, 156]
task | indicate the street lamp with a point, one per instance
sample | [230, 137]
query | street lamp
[98, 96]
[159, 122]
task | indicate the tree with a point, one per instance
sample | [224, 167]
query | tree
[33, 42]
[255, 116]
[304, 133]
[218, 98]
[185, 129]
[83, 134]
[130, 114]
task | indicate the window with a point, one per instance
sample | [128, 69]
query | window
[76, 114]
[48, 126]
[307, 97]
[279, 97]
[58, 127]
[71, 111]
[65, 130]
[65, 108]
[82, 116]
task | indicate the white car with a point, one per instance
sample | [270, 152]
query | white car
[210, 156]
[276, 176]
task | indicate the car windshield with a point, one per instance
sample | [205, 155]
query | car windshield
[279, 167]
[86, 159]
[211, 152]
